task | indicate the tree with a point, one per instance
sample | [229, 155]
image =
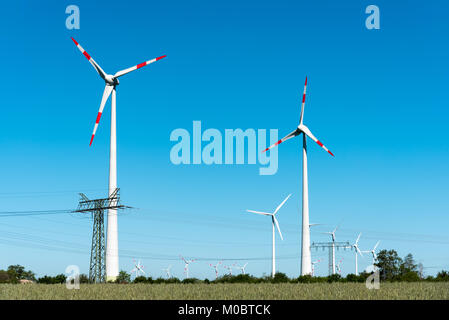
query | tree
[442, 276]
[18, 272]
[408, 265]
[4, 276]
[84, 278]
[389, 264]
[123, 277]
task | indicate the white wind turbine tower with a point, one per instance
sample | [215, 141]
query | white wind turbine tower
[274, 222]
[357, 251]
[186, 266]
[112, 264]
[242, 268]
[167, 271]
[333, 247]
[138, 267]
[313, 266]
[373, 252]
[306, 259]
[215, 268]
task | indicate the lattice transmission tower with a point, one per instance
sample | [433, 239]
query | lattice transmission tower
[331, 246]
[96, 207]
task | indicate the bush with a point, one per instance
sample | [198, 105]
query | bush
[442, 276]
[334, 278]
[280, 277]
[140, 279]
[4, 277]
[191, 280]
[410, 276]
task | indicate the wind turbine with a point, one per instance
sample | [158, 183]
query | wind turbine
[313, 266]
[357, 251]
[338, 266]
[186, 266]
[242, 268]
[215, 268]
[373, 252]
[332, 234]
[274, 222]
[138, 267]
[306, 260]
[167, 271]
[229, 268]
[112, 265]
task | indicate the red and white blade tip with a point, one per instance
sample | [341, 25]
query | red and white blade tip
[274, 145]
[322, 146]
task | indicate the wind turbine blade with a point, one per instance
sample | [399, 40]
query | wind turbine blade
[91, 60]
[259, 212]
[358, 250]
[358, 238]
[303, 102]
[277, 226]
[308, 133]
[282, 203]
[106, 94]
[315, 224]
[140, 65]
[289, 136]
[376, 245]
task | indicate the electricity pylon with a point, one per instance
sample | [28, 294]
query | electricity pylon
[96, 207]
[331, 247]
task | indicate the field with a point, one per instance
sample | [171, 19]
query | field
[287, 291]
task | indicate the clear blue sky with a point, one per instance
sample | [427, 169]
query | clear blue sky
[376, 98]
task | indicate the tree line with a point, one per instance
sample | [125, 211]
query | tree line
[391, 268]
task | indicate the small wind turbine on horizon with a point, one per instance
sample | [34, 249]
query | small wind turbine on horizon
[313, 266]
[338, 266]
[229, 268]
[274, 222]
[111, 82]
[167, 271]
[357, 251]
[242, 268]
[373, 252]
[215, 268]
[186, 266]
[138, 267]
[332, 234]
[306, 258]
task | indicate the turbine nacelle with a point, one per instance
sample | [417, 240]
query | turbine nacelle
[301, 129]
[110, 80]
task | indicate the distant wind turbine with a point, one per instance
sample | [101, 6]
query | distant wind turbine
[373, 252]
[332, 234]
[274, 222]
[186, 266]
[357, 251]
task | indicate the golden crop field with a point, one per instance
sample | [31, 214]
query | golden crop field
[284, 291]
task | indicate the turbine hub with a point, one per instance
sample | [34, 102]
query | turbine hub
[111, 80]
